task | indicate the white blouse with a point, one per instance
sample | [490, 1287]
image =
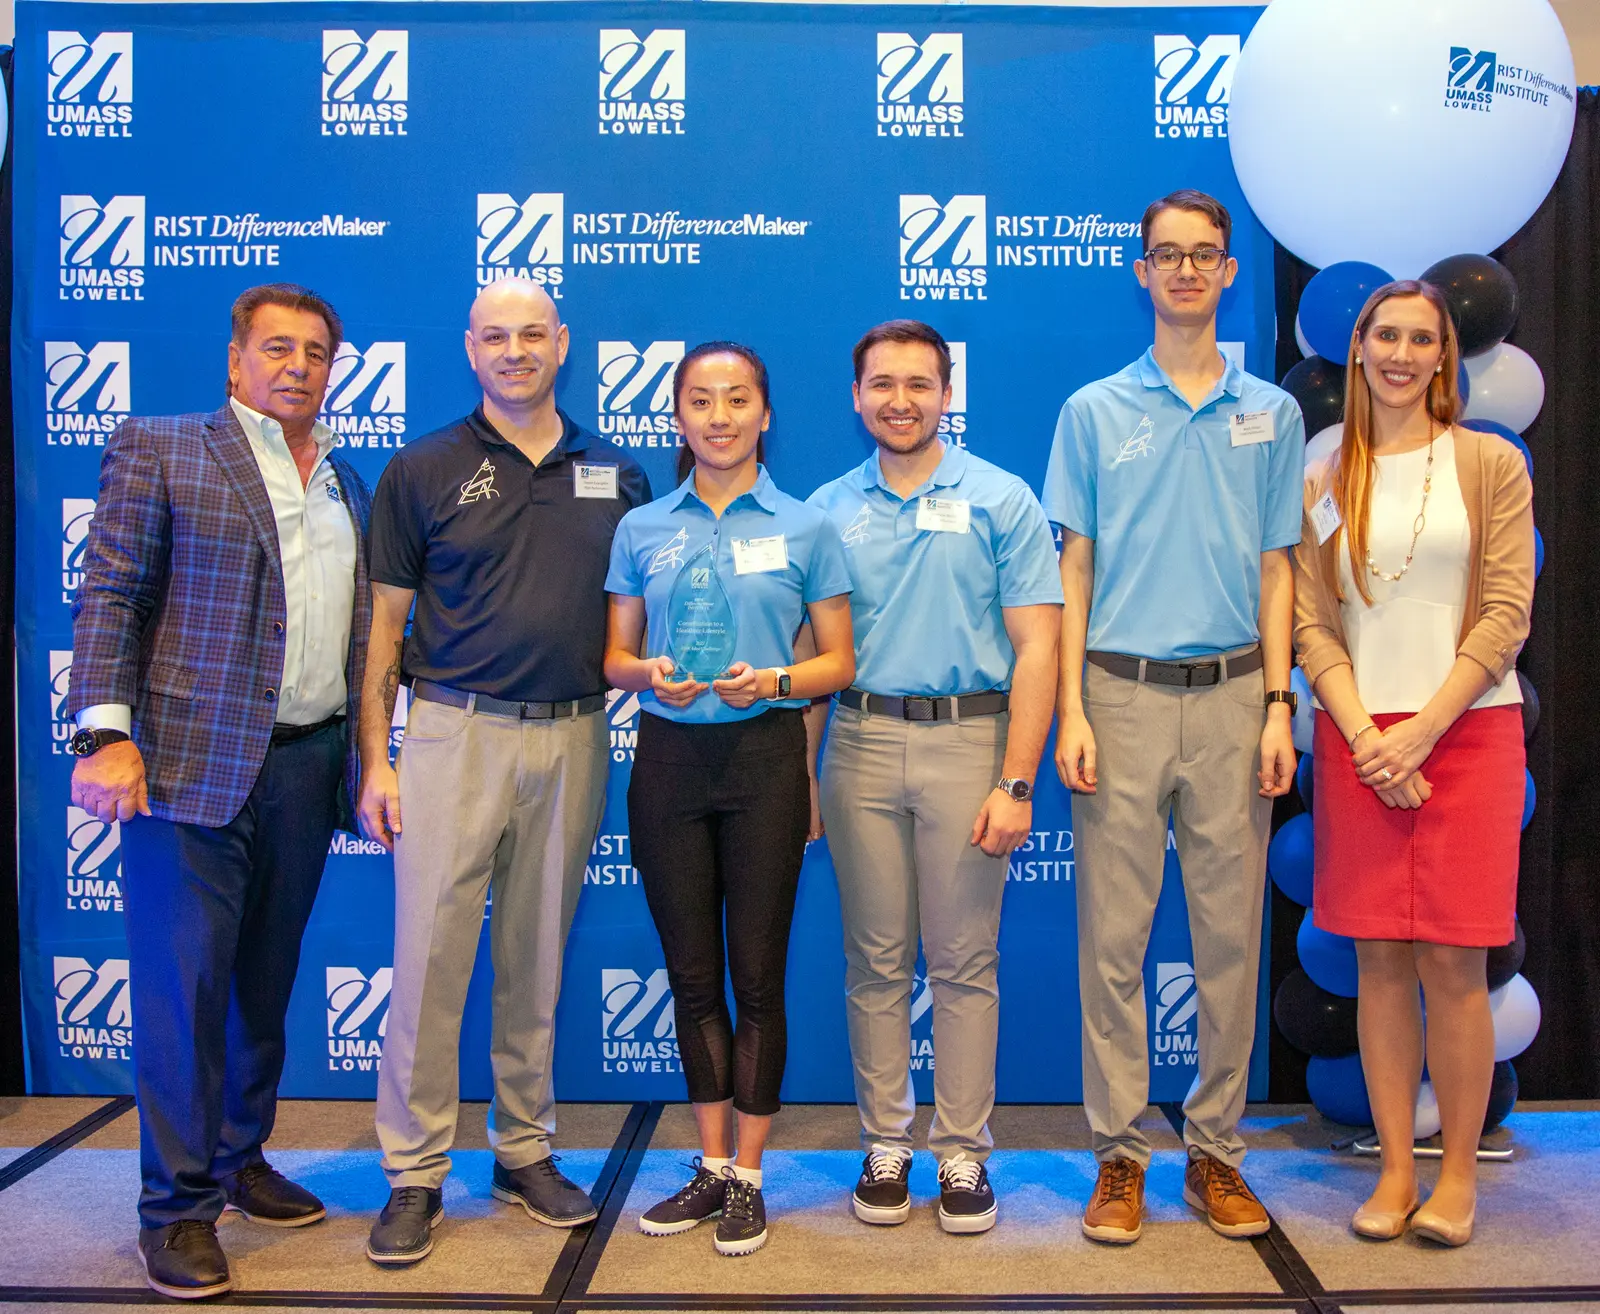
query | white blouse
[1403, 646]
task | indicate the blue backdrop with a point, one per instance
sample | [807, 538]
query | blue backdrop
[782, 175]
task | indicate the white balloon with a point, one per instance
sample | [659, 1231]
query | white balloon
[1358, 130]
[1515, 1010]
[1506, 387]
[1303, 723]
[1324, 443]
[1427, 1115]
[1306, 348]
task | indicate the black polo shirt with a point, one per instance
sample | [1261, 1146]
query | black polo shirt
[507, 560]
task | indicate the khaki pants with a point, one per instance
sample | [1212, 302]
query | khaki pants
[1193, 753]
[487, 803]
[898, 800]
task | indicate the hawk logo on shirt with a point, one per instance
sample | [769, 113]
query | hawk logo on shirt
[1137, 443]
[671, 554]
[859, 531]
[334, 495]
[480, 486]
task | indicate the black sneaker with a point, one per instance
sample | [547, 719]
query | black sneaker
[699, 1200]
[966, 1201]
[742, 1229]
[881, 1195]
[184, 1260]
[545, 1192]
[264, 1195]
[403, 1233]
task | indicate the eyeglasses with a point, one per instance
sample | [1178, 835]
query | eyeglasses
[1169, 259]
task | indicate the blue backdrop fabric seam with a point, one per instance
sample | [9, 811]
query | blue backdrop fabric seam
[982, 168]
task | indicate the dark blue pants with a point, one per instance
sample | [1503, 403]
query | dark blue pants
[214, 917]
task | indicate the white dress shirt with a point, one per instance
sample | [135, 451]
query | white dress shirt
[317, 546]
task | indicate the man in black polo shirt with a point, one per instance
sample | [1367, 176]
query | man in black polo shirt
[499, 529]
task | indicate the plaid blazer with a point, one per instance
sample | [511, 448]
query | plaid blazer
[181, 611]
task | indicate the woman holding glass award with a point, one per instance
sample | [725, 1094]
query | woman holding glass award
[713, 584]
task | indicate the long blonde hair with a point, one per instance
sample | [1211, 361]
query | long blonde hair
[1352, 482]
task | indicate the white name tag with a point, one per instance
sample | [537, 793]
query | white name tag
[1251, 427]
[757, 556]
[594, 480]
[945, 515]
[1325, 518]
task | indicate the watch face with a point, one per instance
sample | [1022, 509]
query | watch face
[82, 743]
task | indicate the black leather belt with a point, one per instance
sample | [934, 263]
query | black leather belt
[1198, 673]
[430, 692]
[288, 734]
[914, 708]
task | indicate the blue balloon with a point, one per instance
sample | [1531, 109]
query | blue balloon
[1463, 383]
[1538, 552]
[1501, 431]
[1338, 1088]
[1289, 858]
[1530, 799]
[1329, 960]
[1305, 779]
[1331, 304]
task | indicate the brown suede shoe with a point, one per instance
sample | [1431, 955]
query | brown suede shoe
[1217, 1190]
[1116, 1209]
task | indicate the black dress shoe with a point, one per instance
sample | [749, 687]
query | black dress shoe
[403, 1232]
[543, 1190]
[184, 1260]
[264, 1195]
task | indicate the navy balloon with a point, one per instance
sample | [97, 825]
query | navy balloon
[1530, 707]
[1530, 799]
[1331, 304]
[1305, 779]
[1314, 1021]
[1318, 385]
[1339, 1090]
[1502, 1095]
[1505, 961]
[1329, 960]
[1500, 430]
[1482, 297]
[1289, 859]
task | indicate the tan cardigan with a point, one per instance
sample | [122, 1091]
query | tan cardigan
[1494, 622]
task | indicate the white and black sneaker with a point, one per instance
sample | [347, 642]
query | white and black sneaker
[742, 1229]
[699, 1200]
[882, 1196]
[966, 1201]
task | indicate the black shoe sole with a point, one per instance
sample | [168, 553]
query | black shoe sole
[304, 1220]
[397, 1260]
[182, 1293]
[511, 1197]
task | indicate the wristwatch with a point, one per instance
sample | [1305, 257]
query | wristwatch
[1284, 696]
[86, 742]
[1018, 788]
[781, 683]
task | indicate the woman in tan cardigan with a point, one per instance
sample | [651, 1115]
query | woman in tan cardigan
[1413, 586]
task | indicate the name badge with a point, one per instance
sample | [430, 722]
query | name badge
[1250, 427]
[1325, 518]
[945, 515]
[594, 481]
[758, 556]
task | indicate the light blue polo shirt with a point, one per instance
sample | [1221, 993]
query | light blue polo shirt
[1180, 515]
[655, 541]
[927, 602]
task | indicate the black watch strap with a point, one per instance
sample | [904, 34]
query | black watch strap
[85, 743]
[1284, 696]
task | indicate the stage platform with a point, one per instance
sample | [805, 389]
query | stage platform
[69, 1178]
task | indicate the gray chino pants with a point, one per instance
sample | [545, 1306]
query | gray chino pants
[486, 803]
[898, 801]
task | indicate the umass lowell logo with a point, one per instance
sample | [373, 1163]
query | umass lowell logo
[638, 1024]
[643, 82]
[89, 84]
[76, 513]
[365, 83]
[944, 248]
[102, 248]
[635, 393]
[358, 1017]
[522, 238]
[87, 394]
[1470, 85]
[94, 1009]
[366, 401]
[921, 85]
[1193, 84]
[94, 863]
[1175, 1037]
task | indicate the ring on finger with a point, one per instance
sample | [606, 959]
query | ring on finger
[1388, 775]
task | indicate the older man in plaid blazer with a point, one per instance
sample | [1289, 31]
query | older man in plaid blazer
[219, 640]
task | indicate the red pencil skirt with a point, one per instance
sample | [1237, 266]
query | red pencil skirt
[1444, 873]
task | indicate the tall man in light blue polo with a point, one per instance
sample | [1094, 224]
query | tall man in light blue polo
[928, 776]
[1177, 483]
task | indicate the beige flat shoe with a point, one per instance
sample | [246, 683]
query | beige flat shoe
[1436, 1227]
[1382, 1224]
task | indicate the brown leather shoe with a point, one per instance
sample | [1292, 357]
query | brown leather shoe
[1218, 1191]
[1115, 1211]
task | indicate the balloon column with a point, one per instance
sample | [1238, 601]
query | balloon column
[1500, 107]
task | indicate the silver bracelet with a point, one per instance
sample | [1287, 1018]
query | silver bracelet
[1370, 725]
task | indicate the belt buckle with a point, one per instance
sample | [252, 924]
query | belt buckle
[921, 708]
[1210, 674]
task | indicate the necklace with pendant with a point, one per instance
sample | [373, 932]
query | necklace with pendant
[1416, 525]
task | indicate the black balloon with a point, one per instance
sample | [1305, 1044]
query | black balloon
[1318, 385]
[1530, 707]
[1314, 1021]
[1502, 1094]
[1506, 961]
[1482, 296]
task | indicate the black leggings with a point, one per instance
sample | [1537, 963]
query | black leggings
[718, 815]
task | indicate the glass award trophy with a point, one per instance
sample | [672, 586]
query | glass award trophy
[701, 630]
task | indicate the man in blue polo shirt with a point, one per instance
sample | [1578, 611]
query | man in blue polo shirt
[927, 781]
[1177, 483]
[499, 530]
